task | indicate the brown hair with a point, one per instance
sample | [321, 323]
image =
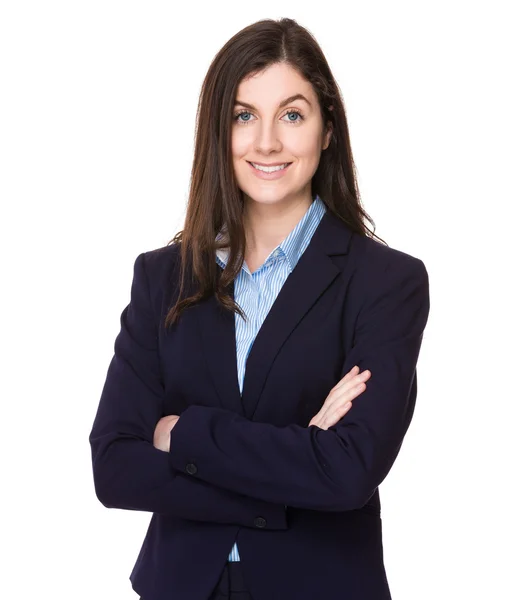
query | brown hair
[214, 197]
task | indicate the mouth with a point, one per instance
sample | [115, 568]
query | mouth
[275, 172]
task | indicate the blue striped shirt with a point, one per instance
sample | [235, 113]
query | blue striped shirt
[256, 292]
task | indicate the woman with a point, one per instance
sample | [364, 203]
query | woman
[227, 407]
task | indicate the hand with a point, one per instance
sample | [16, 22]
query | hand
[339, 400]
[162, 432]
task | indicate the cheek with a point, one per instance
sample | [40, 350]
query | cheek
[305, 146]
[241, 143]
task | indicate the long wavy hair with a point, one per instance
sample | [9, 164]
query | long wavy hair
[215, 199]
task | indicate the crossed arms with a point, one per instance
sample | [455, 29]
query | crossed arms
[241, 468]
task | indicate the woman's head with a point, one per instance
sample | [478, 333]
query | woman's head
[277, 120]
[262, 65]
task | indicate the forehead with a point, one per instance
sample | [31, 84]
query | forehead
[272, 85]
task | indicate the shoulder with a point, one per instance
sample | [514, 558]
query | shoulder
[375, 270]
[370, 255]
[160, 260]
[162, 271]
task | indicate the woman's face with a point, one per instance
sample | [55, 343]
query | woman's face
[272, 131]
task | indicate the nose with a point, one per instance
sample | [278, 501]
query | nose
[267, 138]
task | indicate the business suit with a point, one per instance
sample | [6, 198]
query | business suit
[302, 503]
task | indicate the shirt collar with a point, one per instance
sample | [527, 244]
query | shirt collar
[295, 243]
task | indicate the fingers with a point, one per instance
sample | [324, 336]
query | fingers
[352, 373]
[338, 413]
[350, 387]
[331, 418]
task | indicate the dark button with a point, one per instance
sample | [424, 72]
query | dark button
[260, 522]
[191, 468]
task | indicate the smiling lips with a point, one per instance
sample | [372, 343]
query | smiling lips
[273, 171]
[269, 168]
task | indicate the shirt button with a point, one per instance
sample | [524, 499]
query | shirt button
[191, 468]
[260, 522]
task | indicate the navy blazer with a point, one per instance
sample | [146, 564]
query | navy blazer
[301, 502]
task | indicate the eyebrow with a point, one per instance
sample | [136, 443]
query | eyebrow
[281, 105]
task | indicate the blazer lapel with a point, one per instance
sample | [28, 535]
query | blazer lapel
[218, 335]
[314, 272]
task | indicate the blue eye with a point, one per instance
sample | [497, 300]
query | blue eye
[288, 113]
[293, 112]
[242, 113]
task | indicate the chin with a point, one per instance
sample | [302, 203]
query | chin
[265, 196]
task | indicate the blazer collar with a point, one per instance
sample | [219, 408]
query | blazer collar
[314, 272]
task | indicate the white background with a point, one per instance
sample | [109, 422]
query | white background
[97, 108]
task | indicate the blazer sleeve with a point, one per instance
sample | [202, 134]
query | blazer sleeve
[339, 468]
[128, 471]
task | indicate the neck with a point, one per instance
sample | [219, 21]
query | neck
[266, 225]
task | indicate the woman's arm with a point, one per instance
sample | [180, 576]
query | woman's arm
[129, 472]
[336, 469]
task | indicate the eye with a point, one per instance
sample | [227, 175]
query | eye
[288, 120]
[239, 114]
[294, 112]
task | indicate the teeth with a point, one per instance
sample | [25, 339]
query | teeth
[270, 169]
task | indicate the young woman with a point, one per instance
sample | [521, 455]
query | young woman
[264, 375]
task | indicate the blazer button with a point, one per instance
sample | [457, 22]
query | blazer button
[191, 468]
[260, 522]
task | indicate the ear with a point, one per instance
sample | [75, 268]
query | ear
[329, 131]
[328, 135]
